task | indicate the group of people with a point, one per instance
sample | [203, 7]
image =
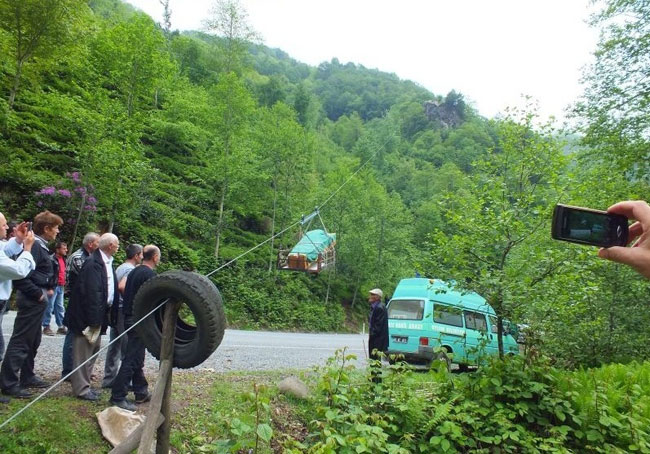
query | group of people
[98, 295]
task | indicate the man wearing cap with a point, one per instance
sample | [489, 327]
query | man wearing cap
[377, 325]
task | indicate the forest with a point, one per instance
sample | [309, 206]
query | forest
[207, 143]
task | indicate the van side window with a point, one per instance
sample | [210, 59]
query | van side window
[493, 324]
[447, 315]
[474, 320]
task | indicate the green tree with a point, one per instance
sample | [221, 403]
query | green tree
[230, 156]
[133, 59]
[38, 28]
[229, 20]
[616, 104]
[283, 146]
[511, 197]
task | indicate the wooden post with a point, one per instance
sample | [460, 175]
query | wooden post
[164, 430]
[163, 386]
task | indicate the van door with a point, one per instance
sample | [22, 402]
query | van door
[448, 330]
[494, 329]
[477, 336]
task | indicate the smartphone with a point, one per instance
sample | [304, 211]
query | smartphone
[587, 226]
[29, 226]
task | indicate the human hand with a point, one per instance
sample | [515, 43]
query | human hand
[28, 241]
[637, 256]
[50, 292]
[20, 231]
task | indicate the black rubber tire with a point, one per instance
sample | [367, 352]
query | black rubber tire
[192, 344]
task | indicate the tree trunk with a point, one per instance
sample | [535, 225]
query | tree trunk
[327, 295]
[381, 242]
[500, 335]
[275, 198]
[356, 290]
[220, 221]
[14, 88]
[76, 226]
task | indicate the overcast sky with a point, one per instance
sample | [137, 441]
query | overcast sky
[492, 51]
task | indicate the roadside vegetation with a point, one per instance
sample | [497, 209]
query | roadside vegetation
[510, 406]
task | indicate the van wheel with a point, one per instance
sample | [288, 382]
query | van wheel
[463, 367]
[442, 357]
[201, 322]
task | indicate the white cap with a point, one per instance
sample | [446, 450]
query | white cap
[377, 291]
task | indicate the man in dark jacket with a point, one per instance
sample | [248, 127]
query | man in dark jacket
[31, 300]
[87, 316]
[131, 370]
[377, 328]
[72, 268]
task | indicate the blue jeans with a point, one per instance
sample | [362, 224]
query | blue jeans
[54, 304]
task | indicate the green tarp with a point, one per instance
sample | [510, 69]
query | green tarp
[314, 242]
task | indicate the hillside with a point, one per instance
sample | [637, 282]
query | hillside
[207, 145]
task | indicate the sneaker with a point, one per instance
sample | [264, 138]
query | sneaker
[62, 330]
[142, 398]
[35, 382]
[123, 404]
[48, 331]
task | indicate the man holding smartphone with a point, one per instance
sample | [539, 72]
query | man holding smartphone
[637, 256]
[17, 372]
[19, 247]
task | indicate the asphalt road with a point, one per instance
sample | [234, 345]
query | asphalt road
[239, 350]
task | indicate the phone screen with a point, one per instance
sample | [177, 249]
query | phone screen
[587, 226]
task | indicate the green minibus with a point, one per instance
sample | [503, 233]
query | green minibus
[429, 320]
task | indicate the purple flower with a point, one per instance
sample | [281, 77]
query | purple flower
[75, 177]
[40, 204]
[91, 200]
[80, 189]
[49, 190]
[90, 208]
[65, 193]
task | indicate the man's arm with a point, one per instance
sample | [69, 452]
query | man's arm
[15, 269]
[122, 285]
[11, 248]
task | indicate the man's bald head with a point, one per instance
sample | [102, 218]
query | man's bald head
[3, 227]
[151, 254]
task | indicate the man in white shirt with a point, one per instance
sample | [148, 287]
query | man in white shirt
[20, 245]
[13, 269]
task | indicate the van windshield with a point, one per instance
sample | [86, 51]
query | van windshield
[406, 309]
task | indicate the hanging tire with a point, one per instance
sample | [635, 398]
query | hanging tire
[193, 342]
